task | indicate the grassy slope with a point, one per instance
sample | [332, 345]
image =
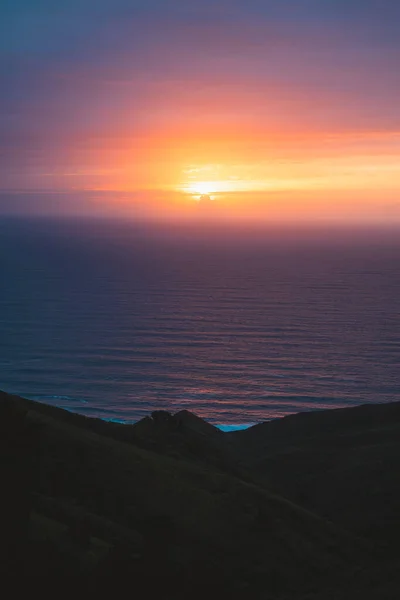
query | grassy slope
[342, 464]
[182, 516]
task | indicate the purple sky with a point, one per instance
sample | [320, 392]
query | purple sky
[86, 82]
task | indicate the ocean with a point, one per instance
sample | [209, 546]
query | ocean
[114, 320]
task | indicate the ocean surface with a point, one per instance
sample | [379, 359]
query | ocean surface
[115, 320]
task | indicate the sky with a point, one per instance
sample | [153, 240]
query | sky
[269, 110]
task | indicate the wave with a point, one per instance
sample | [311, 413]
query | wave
[50, 397]
[237, 336]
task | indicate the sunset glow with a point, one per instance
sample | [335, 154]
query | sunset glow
[275, 117]
[198, 188]
[203, 187]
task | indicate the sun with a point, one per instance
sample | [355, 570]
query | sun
[201, 188]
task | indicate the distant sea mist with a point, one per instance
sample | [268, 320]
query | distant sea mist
[238, 325]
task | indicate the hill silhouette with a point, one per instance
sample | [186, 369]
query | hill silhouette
[175, 508]
[339, 463]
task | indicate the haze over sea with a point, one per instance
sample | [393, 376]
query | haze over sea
[115, 320]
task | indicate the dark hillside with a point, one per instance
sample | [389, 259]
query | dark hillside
[342, 464]
[90, 504]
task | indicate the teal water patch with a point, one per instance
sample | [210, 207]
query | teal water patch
[225, 428]
[235, 427]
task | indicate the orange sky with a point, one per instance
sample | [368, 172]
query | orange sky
[277, 112]
[249, 174]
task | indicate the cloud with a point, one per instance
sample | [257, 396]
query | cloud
[82, 78]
